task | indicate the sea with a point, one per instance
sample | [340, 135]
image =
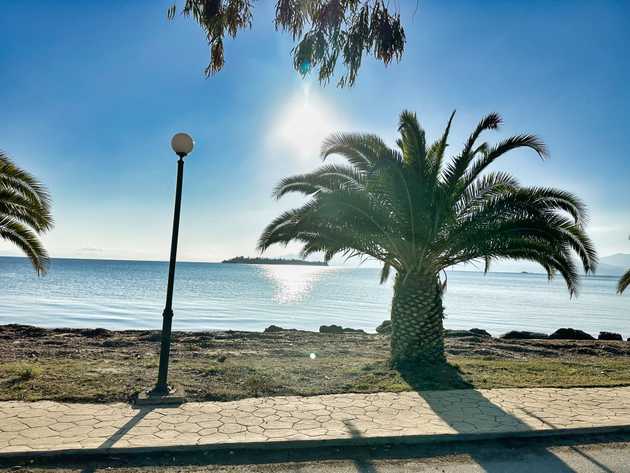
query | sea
[215, 296]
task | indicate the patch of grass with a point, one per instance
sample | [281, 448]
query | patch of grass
[100, 381]
[235, 365]
[258, 386]
[545, 372]
[21, 372]
[71, 380]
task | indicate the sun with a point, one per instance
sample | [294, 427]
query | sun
[302, 124]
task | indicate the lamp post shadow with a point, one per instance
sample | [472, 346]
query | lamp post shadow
[119, 434]
[130, 424]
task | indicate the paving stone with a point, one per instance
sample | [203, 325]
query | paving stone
[231, 428]
[211, 424]
[145, 441]
[206, 432]
[249, 420]
[175, 419]
[51, 426]
[103, 432]
[319, 432]
[167, 434]
[214, 438]
[207, 417]
[276, 425]
[13, 426]
[38, 433]
[187, 428]
[306, 425]
[76, 432]
[278, 433]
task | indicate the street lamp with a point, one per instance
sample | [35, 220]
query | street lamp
[182, 144]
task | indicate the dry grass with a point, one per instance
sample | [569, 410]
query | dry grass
[114, 366]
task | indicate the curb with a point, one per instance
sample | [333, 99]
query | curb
[271, 446]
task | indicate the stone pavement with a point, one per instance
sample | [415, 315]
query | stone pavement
[52, 426]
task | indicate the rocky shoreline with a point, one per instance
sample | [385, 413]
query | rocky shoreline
[561, 334]
[24, 342]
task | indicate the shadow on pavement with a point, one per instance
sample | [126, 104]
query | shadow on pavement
[465, 410]
[141, 414]
[120, 433]
[488, 453]
[363, 464]
[584, 455]
[491, 455]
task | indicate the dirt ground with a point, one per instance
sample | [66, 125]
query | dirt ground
[100, 365]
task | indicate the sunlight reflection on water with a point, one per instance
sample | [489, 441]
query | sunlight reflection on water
[293, 283]
[209, 296]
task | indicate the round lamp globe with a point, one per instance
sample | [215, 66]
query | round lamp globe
[182, 144]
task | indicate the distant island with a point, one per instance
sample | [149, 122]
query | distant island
[244, 260]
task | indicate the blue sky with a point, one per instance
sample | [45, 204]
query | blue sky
[91, 94]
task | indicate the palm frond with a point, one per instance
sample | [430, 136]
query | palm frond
[624, 282]
[27, 241]
[419, 216]
[12, 177]
[514, 142]
[456, 169]
[436, 151]
[24, 212]
[360, 150]
[385, 272]
[19, 207]
[327, 178]
[413, 142]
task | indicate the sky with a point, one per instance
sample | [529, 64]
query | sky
[91, 93]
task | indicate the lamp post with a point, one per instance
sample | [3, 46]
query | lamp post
[182, 144]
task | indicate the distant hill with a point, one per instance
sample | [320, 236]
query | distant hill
[604, 269]
[618, 259]
[613, 265]
[297, 262]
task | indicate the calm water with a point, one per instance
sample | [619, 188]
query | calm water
[130, 294]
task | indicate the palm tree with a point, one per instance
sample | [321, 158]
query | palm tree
[624, 282]
[419, 215]
[24, 212]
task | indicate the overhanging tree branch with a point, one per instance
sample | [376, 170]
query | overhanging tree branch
[326, 32]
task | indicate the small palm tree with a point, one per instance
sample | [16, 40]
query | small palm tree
[624, 282]
[419, 215]
[24, 212]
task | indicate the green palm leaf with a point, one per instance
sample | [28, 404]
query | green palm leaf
[24, 212]
[624, 282]
[419, 215]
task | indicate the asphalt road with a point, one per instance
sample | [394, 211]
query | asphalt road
[601, 454]
[582, 459]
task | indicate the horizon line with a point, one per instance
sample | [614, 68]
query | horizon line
[334, 266]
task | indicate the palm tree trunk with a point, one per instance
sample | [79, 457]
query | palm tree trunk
[417, 313]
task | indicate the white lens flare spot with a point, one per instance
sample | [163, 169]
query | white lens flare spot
[312, 356]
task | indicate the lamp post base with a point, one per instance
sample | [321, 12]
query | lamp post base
[175, 395]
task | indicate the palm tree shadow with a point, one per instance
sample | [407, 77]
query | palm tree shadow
[455, 401]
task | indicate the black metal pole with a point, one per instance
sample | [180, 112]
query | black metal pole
[161, 388]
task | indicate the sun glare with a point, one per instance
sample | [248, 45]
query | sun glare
[302, 124]
[293, 283]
